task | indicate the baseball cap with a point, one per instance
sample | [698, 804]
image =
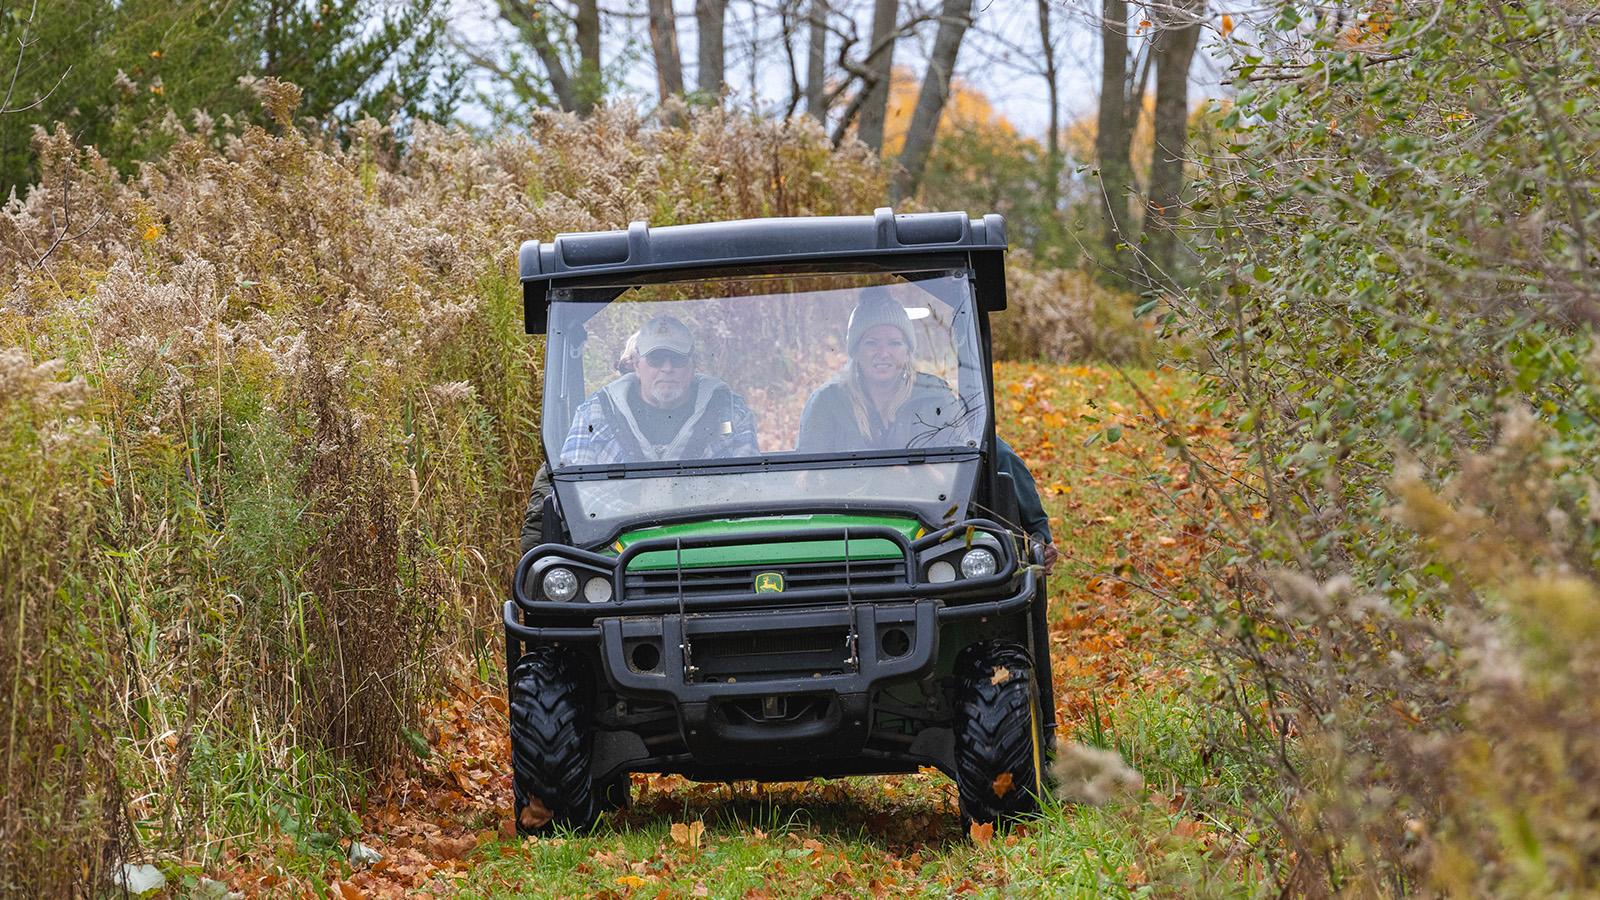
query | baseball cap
[667, 332]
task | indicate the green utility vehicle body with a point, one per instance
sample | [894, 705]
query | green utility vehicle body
[788, 608]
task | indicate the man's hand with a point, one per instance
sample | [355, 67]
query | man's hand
[1050, 554]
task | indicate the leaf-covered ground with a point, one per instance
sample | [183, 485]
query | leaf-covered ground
[1128, 515]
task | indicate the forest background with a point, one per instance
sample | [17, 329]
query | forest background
[267, 418]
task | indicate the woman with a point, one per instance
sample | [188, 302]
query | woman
[880, 401]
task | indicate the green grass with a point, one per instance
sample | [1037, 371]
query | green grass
[898, 837]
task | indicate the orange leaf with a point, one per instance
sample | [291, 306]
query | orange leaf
[453, 848]
[1227, 25]
[536, 814]
[348, 891]
[1001, 675]
[1002, 785]
[981, 832]
[687, 835]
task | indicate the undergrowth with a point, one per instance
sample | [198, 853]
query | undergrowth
[267, 421]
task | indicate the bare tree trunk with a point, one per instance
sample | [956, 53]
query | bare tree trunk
[1052, 188]
[664, 44]
[532, 25]
[1174, 51]
[709, 17]
[880, 63]
[1115, 134]
[954, 20]
[816, 103]
[590, 89]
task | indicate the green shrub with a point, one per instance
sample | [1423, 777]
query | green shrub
[1399, 312]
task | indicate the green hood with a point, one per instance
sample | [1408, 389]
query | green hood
[767, 554]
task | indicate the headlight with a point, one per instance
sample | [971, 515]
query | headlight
[977, 563]
[560, 584]
[941, 572]
[597, 590]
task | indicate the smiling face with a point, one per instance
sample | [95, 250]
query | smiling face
[882, 355]
[664, 377]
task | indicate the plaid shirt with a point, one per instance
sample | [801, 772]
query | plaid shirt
[600, 433]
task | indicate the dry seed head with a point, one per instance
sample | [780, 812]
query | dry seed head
[1091, 776]
[452, 392]
[1299, 593]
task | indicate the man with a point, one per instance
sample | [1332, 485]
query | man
[663, 411]
[660, 409]
[1034, 519]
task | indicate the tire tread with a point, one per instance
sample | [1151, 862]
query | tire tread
[995, 731]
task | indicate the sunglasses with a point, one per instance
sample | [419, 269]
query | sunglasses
[660, 356]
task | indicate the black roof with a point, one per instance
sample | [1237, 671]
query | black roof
[642, 248]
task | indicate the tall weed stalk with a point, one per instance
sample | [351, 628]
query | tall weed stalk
[267, 421]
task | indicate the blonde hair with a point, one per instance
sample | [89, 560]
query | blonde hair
[850, 380]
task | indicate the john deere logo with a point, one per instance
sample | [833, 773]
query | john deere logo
[769, 583]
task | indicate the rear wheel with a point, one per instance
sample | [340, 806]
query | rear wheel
[999, 748]
[550, 742]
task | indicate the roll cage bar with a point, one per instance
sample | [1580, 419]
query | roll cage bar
[818, 243]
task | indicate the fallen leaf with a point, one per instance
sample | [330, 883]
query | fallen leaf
[1002, 785]
[348, 891]
[700, 890]
[687, 835]
[981, 832]
[453, 848]
[1001, 675]
[632, 881]
[535, 814]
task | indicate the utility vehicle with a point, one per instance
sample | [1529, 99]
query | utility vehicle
[783, 614]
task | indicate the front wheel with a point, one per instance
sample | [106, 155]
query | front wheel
[999, 748]
[550, 742]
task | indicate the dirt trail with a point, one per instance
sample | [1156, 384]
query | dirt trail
[1126, 515]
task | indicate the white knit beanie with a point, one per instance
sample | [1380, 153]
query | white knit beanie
[878, 310]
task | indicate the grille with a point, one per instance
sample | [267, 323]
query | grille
[720, 581]
[772, 655]
[775, 644]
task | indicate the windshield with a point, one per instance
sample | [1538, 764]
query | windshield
[737, 377]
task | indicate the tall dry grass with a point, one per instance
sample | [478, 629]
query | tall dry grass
[267, 418]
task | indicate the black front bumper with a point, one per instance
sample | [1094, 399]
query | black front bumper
[771, 678]
[731, 708]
